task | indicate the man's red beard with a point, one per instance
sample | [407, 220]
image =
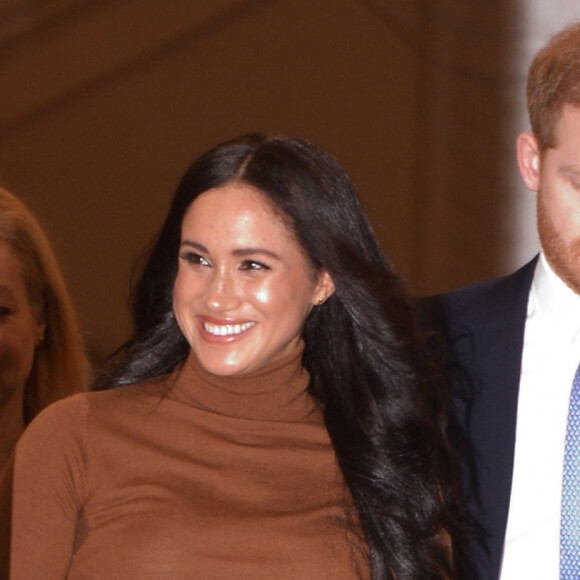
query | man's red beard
[564, 259]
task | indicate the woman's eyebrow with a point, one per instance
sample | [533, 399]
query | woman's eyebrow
[237, 252]
[6, 291]
[253, 251]
[195, 245]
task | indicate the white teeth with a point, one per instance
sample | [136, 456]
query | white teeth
[227, 329]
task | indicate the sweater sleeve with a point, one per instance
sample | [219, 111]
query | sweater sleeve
[49, 486]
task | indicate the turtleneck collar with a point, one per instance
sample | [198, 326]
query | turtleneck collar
[277, 392]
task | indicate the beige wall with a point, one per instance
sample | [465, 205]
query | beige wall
[104, 104]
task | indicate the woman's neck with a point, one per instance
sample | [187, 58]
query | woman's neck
[11, 423]
[277, 392]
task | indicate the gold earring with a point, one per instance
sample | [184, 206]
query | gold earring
[320, 302]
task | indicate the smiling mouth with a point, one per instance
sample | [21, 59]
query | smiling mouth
[227, 329]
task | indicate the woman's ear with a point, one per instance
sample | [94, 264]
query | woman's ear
[324, 288]
[41, 330]
[528, 155]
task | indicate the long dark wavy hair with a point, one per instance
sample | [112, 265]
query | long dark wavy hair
[362, 351]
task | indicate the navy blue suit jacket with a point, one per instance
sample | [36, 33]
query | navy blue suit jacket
[484, 327]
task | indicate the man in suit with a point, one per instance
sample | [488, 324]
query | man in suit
[515, 346]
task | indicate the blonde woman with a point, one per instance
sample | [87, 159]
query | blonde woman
[42, 358]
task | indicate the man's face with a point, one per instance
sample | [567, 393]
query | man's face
[555, 175]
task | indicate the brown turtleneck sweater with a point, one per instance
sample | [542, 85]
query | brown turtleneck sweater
[189, 477]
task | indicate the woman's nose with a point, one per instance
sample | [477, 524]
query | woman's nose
[222, 293]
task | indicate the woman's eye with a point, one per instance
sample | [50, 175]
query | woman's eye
[253, 265]
[194, 259]
[5, 311]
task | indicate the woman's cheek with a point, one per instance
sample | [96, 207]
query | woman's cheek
[15, 361]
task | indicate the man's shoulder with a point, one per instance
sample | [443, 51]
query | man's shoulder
[491, 304]
[500, 292]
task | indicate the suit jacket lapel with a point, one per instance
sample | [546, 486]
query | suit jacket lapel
[486, 327]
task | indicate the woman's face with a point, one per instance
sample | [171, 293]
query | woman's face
[20, 330]
[244, 286]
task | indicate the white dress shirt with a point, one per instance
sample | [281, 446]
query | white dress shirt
[550, 357]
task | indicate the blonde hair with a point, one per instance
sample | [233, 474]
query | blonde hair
[60, 367]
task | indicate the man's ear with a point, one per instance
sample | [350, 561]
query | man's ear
[528, 155]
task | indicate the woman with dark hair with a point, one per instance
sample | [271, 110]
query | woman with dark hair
[268, 417]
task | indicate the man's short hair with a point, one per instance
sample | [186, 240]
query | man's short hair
[554, 81]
